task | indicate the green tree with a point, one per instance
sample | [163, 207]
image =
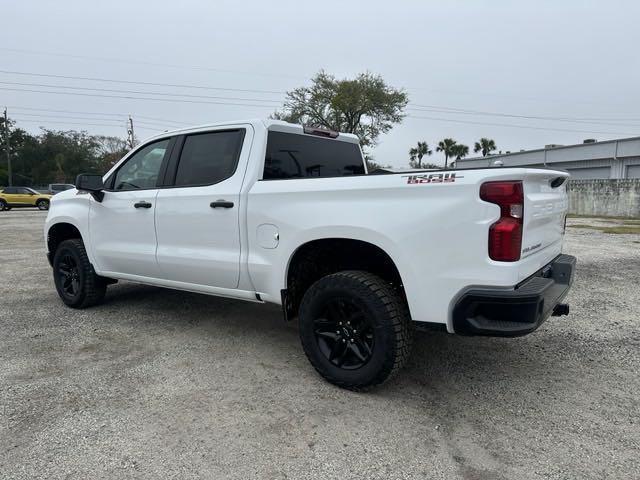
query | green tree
[365, 105]
[448, 147]
[485, 145]
[416, 154]
[373, 165]
[18, 139]
[109, 151]
[460, 151]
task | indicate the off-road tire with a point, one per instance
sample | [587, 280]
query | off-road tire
[387, 312]
[92, 288]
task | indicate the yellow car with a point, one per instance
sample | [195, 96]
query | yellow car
[15, 197]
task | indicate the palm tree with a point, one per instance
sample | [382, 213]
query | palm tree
[485, 145]
[416, 154]
[460, 151]
[448, 147]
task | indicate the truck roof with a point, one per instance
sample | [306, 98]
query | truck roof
[269, 124]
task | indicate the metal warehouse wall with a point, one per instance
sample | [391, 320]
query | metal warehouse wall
[611, 198]
[609, 159]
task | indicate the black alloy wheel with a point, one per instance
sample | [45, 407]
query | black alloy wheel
[69, 276]
[344, 333]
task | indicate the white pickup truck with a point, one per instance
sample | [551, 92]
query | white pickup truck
[267, 211]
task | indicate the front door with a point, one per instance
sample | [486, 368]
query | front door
[122, 226]
[197, 219]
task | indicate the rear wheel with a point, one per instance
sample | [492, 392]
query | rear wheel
[42, 204]
[3, 205]
[76, 282]
[355, 329]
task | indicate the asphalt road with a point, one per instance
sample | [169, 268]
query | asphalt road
[163, 384]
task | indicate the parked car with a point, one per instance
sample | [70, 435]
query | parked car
[266, 211]
[59, 187]
[17, 197]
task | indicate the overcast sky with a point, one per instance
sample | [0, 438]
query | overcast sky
[577, 60]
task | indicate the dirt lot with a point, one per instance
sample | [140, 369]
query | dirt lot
[162, 384]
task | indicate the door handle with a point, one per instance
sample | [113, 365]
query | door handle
[221, 204]
[142, 204]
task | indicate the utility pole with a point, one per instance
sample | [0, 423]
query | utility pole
[130, 136]
[6, 146]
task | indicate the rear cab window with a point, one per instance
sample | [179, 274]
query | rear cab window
[291, 155]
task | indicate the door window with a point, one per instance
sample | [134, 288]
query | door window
[209, 158]
[142, 169]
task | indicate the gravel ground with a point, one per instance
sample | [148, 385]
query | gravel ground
[163, 384]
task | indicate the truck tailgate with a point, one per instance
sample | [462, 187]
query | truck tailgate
[545, 210]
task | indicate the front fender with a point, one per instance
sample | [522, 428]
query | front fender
[73, 208]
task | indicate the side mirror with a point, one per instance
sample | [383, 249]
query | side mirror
[88, 182]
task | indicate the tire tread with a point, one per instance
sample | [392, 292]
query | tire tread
[94, 287]
[397, 312]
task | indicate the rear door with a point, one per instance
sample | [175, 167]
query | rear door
[545, 209]
[22, 196]
[197, 217]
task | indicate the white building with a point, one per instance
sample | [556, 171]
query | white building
[609, 159]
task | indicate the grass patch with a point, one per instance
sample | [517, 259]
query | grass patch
[604, 217]
[624, 229]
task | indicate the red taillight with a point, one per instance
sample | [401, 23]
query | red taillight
[505, 236]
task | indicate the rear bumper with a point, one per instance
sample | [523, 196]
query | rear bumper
[511, 313]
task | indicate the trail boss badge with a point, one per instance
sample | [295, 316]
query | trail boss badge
[431, 178]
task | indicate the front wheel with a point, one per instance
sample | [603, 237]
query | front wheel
[355, 329]
[76, 282]
[42, 204]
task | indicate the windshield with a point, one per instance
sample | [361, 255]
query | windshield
[32, 190]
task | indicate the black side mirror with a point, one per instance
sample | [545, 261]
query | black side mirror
[88, 182]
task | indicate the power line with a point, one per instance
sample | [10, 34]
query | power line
[129, 97]
[137, 92]
[458, 111]
[66, 123]
[66, 111]
[131, 82]
[413, 106]
[163, 121]
[121, 119]
[517, 126]
[118, 121]
[140, 62]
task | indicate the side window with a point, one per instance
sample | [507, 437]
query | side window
[142, 169]
[24, 191]
[209, 158]
[10, 190]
